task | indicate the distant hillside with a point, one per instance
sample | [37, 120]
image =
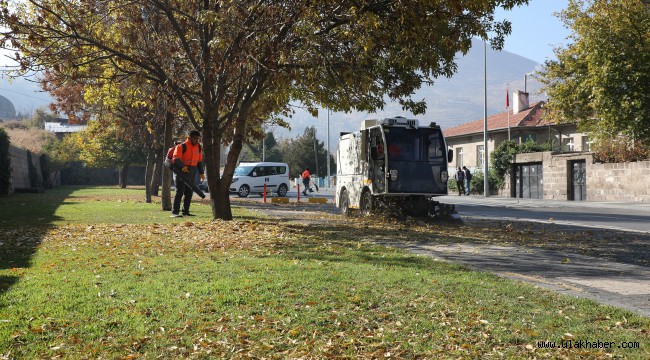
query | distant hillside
[24, 94]
[450, 102]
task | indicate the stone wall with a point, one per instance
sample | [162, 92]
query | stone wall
[605, 182]
[20, 169]
[619, 181]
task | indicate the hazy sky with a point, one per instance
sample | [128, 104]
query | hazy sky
[535, 31]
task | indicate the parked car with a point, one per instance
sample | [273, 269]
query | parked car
[249, 178]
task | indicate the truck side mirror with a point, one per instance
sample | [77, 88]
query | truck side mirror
[373, 152]
[450, 155]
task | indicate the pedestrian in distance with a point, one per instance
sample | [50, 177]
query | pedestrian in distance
[188, 157]
[460, 180]
[306, 179]
[468, 179]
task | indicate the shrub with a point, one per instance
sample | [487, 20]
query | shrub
[34, 178]
[620, 149]
[5, 163]
[46, 170]
[477, 186]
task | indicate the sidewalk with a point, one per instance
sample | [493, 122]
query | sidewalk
[499, 201]
[519, 202]
[607, 282]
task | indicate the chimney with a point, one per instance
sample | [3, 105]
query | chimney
[520, 101]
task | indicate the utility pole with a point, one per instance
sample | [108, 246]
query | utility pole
[263, 142]
[315, 150]
[486, 186]
[328, 148]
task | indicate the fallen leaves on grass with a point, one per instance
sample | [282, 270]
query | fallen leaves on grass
[190, 236]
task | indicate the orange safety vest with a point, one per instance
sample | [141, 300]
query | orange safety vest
[305, 174]
[192, 155]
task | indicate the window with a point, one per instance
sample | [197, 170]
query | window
[480, 155]
[586, 143]
[425, 144]
[243, 170]
[532, 137]
[435, 147]
[459, 156]
[567, 144]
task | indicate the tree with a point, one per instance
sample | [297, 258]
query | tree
[140, 109]
[5, 163]
[252, 151]
[60, 153]
[234, 65]
[299, 153]
[602, 79]
[107, 147]
[40, 117]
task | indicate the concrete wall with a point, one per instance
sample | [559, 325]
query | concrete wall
[619, 182]
[605, 182]
[20, 169]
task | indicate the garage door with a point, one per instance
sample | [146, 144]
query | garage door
[529, 183]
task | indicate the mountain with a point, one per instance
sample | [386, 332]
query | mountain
[450, 102]
[25, 94]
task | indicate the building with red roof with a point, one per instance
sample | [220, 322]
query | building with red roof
[519, 124]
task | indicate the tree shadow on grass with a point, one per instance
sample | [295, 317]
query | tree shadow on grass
[25, 220]
[340, 243]
[623, 247]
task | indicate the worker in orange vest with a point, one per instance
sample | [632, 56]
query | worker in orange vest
[306, 178]
[188, 157]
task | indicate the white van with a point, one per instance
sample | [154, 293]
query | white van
[249, 178]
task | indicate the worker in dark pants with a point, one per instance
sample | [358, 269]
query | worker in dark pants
[306, 178]
[187, 157]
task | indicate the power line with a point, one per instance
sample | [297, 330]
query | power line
[29, 96]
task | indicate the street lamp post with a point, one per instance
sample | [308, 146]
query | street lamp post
[328, 148]
[486, 186]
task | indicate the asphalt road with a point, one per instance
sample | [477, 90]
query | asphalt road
[626, 216]
[605, 215]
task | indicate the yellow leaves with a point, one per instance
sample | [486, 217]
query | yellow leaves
[207, 16]
[37, 330]
[295, 331]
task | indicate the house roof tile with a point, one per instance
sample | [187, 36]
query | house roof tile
[533, 116]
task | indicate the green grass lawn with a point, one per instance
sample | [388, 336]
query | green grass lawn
[98, 273]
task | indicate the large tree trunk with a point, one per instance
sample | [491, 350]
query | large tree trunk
[219, 187]
[166, 197]
[123, 172]
[148, 174]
